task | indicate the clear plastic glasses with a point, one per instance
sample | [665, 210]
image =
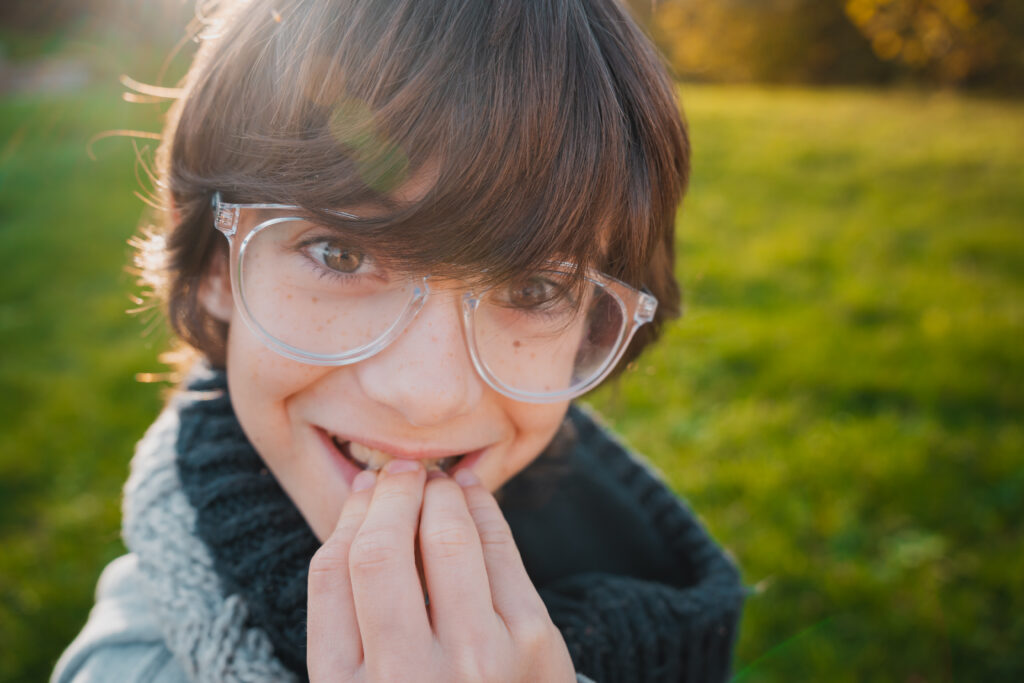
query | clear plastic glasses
[538, 338]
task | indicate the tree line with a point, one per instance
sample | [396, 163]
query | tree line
[960, 43]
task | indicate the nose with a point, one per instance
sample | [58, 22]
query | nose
[425, 374]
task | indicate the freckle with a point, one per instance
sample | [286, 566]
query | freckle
[517, 343]
[315, 299]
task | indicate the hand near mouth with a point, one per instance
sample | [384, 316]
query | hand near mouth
[367, 620]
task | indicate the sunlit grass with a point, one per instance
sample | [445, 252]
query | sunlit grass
[841, 403]
[69, 410]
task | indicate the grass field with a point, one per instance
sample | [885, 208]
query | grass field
[842, 402]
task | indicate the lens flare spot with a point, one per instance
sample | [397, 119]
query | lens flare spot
[380, 163]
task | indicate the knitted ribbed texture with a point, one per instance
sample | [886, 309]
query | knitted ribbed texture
[623, 629]
[204, 628]
[261, 544]
[673, 622]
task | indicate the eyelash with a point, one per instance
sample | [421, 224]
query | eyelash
[303, 248]
[326, 273]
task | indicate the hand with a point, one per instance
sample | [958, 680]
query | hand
[367, 620]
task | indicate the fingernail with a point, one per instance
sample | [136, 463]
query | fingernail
[436, 474]
[466, 477]
[398, 465]
[363, 480]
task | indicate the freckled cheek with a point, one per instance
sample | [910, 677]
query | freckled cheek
[541, 362]
[263, 369]
[262, 383]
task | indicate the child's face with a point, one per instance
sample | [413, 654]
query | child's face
[419, 397]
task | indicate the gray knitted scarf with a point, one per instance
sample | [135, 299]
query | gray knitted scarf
[632, 580]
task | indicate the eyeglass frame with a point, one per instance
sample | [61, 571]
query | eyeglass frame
[637, 305]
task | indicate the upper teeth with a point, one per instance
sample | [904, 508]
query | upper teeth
[375, 459]
[371, 457]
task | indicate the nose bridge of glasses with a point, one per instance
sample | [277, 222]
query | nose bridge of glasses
[433, 346]
[439, 313]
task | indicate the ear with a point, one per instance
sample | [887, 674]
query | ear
[215, 289]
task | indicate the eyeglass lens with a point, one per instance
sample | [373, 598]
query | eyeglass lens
[306, 289]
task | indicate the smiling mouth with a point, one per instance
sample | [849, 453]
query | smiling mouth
[367, 458]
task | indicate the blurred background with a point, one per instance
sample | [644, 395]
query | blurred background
[842, 402]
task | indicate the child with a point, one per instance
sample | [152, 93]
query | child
[445, 219]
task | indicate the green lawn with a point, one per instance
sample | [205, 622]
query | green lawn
[841, 402]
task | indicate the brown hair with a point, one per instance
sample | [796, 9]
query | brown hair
[551, 127]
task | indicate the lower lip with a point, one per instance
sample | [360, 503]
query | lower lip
[350, 471]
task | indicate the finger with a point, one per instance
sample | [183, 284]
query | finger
[453, 564]
[333, 645]
[514, 596]
[385, 586]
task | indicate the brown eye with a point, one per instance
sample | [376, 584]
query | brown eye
[338, 258]
[531, 292]
[536, 292]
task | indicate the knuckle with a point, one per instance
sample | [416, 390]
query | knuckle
[533, 631]
[328, 560]
[372, 550]
[350, 518]
[448, 540]
[470, 662]
[495, 532]
[346, 528]
[394, 494]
